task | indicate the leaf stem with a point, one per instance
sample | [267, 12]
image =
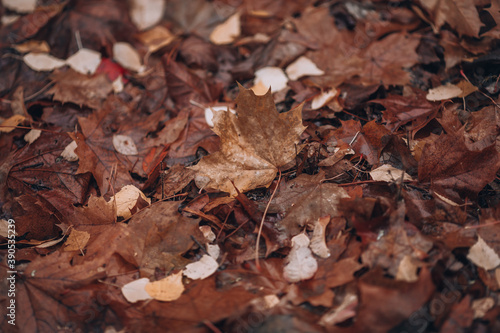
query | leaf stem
[262, 222]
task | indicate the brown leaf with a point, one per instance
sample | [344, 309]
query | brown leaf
[400, 110]
[162, 236]
[455, 170]
[73, 87]
[255, 142]
[462, 16]
[304, 200]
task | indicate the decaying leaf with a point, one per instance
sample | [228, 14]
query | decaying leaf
[135, 291]
[77, 240]
[300, 263]
[167, 289]
[201, 269]
[10, 124]
[483, 256]
[255, 143]
[126, 199]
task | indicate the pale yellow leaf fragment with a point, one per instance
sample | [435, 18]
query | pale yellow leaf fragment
[201, 269]
[442, 93]
[128, 57]
[266, 77]
[407, 270]
[146, 13]
[32, 135]
[126, 199]
[77, 240]
[303, 66]
[20, 6]
[42, 62]
[124, 144]
[318, 243]
[388, 173]
[69, 152]
[85, 61]
[323, 98]
[167, 289]
[483, 256]
[38, 46]
[10, 124]
[227, 32]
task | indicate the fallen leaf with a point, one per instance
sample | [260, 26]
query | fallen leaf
[156, 38]
[318, 244]
[11, 123]
[80, 89]
[124, 145]
[69, 152]
[483, 256]
[32, 135]
[461, 16]
[201, 269]
[85, 61]
[135, 291]
[35, 46]
[146, 14]
[126, 199]
[303, 66]
[128, 57]
[20, 6]
[300, 263]
[323, 98]
[42, 61]
[228, 31]
[269, 78]
[77, 240]
[167, 289]
[255, 142]
[388, 173]
[442, 93]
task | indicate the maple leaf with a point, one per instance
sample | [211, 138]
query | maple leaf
[255, 143]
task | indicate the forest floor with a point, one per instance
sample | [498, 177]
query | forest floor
[249, 166]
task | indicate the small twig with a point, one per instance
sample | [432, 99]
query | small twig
[262, 222]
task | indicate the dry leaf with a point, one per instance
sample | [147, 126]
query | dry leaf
[255, 142]
[124, 145]
[128, 57]
[388, 173]
[324, 98]
[38, 46]
[167, 289]
[201, 269]
[73, 87]
[318, 244]
[10, 124]
[156, 38]
[32, 135]
[300, 263]
[266, 77]
[483, 256]
[20, 6]
[135, 291]
[226, 32]
[146, 13]
[77, 240]
[303, 66]
[126, 199]
[42, 62]
[209, 113]
[441, 93]
[84, 61]
[69, 152]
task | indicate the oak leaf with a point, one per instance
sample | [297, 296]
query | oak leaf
[255, 142]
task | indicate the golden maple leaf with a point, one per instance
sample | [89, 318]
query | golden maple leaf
[255, 142]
